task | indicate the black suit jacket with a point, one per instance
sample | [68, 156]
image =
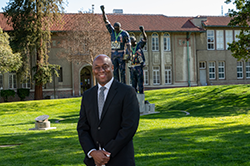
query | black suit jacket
[118, 124]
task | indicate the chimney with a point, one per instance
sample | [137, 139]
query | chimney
[118, 11]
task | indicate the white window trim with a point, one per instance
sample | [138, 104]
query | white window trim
[155, 37]
[214, 73]
[229, 37]
[156, 75]
[220, 39]
[211, 42]
[168, 43]
[221, 67]
[146, 76]
[26, 84]
[168, 76]
[241, 66]
[13, 83]
[248, 72]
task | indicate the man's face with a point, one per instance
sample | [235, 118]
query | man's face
[102, 69]
[117, 29]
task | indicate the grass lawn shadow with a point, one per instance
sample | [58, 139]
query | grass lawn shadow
[194, 145]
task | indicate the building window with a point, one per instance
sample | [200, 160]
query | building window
[236, 33]
[220, 39]
[1, 81]
[54, 43]
[145, 72]
[247, 69]
[221, 70]
[239, 70]
[155, 42]
[211, 70]
[26, 83]
[60, 72]
[145, 48]
[202, 65]
[166, 42]
[156, 75]
[210, 40]
[12, 81]
[168, 74]
[229, 37]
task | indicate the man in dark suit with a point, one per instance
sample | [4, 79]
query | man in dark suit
[106, 134]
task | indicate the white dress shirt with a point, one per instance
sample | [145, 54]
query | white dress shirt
[107, 86]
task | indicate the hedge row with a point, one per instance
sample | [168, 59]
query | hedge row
[21, 92]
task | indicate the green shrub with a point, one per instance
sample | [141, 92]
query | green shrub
[7, 93]
[23, 92]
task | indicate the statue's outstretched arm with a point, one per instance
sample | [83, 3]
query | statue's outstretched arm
[105, 18]
[143, 33]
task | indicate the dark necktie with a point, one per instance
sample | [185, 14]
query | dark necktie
[101, 101]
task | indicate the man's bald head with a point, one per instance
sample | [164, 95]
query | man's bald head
[102, 55]
[102, 68]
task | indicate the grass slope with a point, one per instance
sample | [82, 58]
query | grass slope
[217, 131]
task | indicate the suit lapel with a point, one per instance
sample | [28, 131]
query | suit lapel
[95, 100]
[111, 94]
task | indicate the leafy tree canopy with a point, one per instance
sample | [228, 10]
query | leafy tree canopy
[87, 38]
[240, 18]
[8, 60]
[31, 21]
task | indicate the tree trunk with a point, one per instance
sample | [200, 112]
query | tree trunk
[38, 92]
[39, 56]
[38, 85]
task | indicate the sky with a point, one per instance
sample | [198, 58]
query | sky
[165, 7]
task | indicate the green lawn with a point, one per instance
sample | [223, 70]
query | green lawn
[217, 131]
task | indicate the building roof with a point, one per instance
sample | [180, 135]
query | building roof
[217, 21]
[131, 22]
[3, 23]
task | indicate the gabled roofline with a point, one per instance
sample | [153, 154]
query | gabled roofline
[169, 31]
[221, 26]
[58, 31]
[145, 31]
[134, 14]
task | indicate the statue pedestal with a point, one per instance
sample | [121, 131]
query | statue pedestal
[149, 108]
[141, 100]
[42, 123]
[145, 108]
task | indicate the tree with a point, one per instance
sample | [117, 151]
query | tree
[85, 38]
[8, 61]
[241, 17]
[31, 21]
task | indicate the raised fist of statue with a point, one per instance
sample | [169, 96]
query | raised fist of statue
[141, 28]
[102, 7]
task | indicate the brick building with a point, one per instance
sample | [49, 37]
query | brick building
[180, 52]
